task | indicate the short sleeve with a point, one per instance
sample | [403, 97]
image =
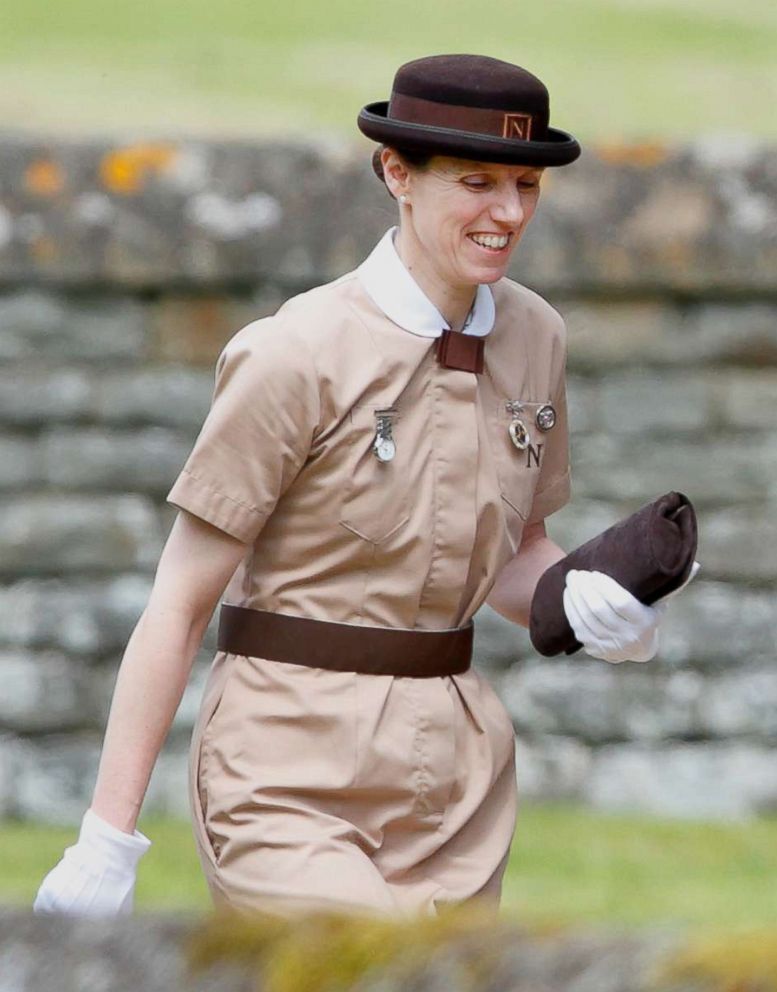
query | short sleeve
[257, 434]
[554, 483]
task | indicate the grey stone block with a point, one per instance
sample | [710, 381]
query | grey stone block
[740, 333]
[654, 404]
[44, 692]
[740, 544]
[604, 334]
[598, 702]
[724, 469]
[21, 464]
[498, 642]
[167, 793]
[551, 767]
[54, 777]
[7, 742]
[750, 399]
[47, 327]
[710, 780]
[31, 397]
[81, 617]
[45, 534]
[719, 626]
[743, 703]
[165, 396]
[144, 460]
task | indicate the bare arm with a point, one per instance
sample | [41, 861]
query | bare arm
[195, 566]
[512, 593]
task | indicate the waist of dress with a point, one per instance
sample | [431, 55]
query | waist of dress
[344, 647]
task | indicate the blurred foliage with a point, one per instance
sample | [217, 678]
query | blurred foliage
[725, 962]
[329, 950]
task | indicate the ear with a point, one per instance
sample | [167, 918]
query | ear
[395, 172]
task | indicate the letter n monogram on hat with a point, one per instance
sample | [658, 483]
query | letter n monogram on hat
[517, 126]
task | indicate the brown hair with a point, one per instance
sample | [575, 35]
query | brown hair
[418, 160]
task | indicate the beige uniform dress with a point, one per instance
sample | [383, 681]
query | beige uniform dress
[319, 789]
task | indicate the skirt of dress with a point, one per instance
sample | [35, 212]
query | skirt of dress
[374, 794]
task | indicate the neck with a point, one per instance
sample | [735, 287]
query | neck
[453, 301]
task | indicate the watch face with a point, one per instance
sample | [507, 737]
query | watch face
[546, 417]
[385, 449]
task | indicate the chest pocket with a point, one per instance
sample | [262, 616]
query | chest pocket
[375, 504]
[519, 447]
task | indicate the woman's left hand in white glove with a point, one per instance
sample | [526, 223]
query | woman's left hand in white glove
[608, 620]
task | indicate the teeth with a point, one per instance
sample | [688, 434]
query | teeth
[490, 240]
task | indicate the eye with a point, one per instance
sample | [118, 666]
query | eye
[475, 183]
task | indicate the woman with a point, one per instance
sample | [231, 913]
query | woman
[378, 461]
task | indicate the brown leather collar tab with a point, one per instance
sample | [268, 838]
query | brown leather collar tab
[456, 350]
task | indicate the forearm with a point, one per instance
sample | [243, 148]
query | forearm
[151, 680]
[512, 593]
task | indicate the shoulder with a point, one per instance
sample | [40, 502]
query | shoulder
[319, 313]
[526, 324]
[514, 300]
[296, 332]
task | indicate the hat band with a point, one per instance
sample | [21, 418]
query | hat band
[478, 120]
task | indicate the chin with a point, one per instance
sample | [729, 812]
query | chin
[486, 274]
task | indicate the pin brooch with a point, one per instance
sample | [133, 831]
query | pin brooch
[383, 446]
[519, 435]
[545, 417]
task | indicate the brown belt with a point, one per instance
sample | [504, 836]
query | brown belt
[344, 647]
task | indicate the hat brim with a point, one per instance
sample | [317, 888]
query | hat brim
[560, 148]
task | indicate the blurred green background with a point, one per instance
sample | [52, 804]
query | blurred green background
[616, 69]
[568, 865]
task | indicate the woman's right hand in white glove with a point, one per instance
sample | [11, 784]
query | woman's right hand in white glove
[96, 876]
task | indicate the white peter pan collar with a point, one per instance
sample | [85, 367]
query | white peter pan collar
[391, 287]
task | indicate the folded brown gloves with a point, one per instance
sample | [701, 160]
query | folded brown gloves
[650, 553]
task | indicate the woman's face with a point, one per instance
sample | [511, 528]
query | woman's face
[466, 217]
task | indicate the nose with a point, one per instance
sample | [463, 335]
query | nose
[508, 207]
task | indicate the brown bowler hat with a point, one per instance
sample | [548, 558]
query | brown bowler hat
[469, 106]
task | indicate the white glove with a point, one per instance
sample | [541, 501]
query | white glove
[609, 621]
[96, 876]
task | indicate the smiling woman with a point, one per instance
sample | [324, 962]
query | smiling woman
[378, 461]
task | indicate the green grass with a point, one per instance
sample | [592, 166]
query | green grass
[568, 865]
[616, 69]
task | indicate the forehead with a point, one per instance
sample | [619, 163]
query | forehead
[461, 166]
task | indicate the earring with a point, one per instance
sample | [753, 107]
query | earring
[403, 198]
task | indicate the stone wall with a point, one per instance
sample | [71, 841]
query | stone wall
[124, 269]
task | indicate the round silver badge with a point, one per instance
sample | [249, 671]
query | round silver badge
[518, 433]
[546, 417]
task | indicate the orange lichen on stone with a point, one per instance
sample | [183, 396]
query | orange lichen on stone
[125, 170]
[644, 154]
[44, 249]
[44, 177]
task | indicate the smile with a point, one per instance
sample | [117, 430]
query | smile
[493, 243]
